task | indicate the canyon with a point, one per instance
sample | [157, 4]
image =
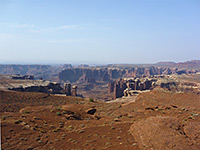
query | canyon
[137, 107]
[101, 82]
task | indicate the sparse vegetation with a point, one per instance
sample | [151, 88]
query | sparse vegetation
[70, 127]
[26, 112]
[3, 117]
[36, 118]
[112, 127]
[51, 126]
[56, 130]
[58, 113]
[59, 108]
[91, 100]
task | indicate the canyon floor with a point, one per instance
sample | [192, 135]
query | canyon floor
[156, 120]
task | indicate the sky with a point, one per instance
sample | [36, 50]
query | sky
[99, 31]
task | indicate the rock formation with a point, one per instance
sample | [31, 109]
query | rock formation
[47, 87]
[123, 87]
[110, 87]
[91, 75]
[131, 86]
[74, 90]
[67, 87]
[119, 87]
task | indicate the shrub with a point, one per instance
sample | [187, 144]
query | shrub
[58, 113]
[91, 100]
[56, 130]
[26, 112]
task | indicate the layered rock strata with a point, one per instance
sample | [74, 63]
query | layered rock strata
[91, 75]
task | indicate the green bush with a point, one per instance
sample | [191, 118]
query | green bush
[26, 112]
[91, 100]
[58, 113]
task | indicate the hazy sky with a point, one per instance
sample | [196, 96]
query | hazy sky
[99, 31]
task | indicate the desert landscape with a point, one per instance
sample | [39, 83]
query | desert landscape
[99, 75]
[118, 107]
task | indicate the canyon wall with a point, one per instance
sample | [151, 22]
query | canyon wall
[92, 75]
[88, 74]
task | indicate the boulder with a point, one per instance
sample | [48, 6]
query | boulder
[91, 111]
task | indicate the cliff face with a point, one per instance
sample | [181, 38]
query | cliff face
[108, 74]
[88, 74]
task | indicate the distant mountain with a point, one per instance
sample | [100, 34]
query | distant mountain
[166, 63]
[193, 64]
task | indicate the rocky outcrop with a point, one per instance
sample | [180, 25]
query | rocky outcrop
[48, 87]
[110, 87]
[91, 111]
[67, 88]
[123, 87]
[119, 87]
[74, 90]
[70, 90]
[132, 86]
[180, 86]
